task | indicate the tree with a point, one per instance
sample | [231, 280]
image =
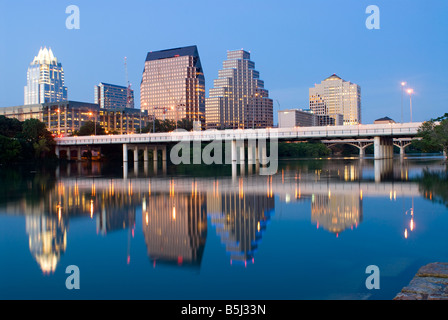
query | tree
[35, 132]
[90, 128]
[9, 149]
[434, 133]
[160, 126]
[185, 124]
[10, 127]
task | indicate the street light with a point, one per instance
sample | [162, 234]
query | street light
[402, 89]
[410, 92]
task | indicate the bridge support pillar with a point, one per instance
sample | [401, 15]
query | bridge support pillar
[125, 152]
[242, 153]
[57, 151]
[384, 169]
[250, 154]
[164, 153]
[383, 147]
[233, 151]
[402, 153]
[135, 153]
[257, 152]
[155, 155]
[362, 152]
[79, 154]
[145, 155]
[125, 170]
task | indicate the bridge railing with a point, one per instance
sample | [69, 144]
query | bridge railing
[335, 132]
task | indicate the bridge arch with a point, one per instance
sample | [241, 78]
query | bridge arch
[361, 145]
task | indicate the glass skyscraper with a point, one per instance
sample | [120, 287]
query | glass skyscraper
[336, 98]
[173, 85]
[112, 96]
[45, 79]
[238, 99]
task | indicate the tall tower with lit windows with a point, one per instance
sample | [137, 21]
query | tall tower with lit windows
[335, 98]
[45, 79]
[238, 99]
[173, 85]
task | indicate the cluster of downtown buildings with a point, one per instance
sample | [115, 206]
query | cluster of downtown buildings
[173, 87]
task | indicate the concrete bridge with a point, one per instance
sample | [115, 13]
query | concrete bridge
[382, 136]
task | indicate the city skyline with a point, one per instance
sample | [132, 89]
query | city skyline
[403, 49]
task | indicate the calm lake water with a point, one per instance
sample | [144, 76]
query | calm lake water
[197, 232]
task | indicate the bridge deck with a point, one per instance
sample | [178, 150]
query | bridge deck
[397, 130]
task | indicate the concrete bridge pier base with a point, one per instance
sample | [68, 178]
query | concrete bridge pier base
[135, 153]
[136, 168]
[383, 147]
[384, 169]
[145, 167]
[233, 152]
[125, 170]
[155, 156]
[362, 152]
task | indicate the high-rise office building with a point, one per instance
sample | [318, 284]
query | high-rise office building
[112, 96]
[335, 96]
[173, 85]
[238, 99]
[45, 79]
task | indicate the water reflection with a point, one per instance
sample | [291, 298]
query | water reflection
[175, 228]
[240, 220]
[47, 240]
[336, 212]
[175, 209]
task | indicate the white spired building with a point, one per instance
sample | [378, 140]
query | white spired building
[45, 79]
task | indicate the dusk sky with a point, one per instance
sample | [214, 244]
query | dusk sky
[294, 45]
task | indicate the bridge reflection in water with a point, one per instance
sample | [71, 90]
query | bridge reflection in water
[176, 211]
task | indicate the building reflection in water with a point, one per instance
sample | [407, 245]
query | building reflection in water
[336, 212]
[175, 210]
[47, 240]
[240, 220]
[175, 228]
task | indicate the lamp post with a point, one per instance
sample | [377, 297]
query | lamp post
[402, 90]
[410, 92]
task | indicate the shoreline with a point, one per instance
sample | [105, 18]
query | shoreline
[429, 283]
